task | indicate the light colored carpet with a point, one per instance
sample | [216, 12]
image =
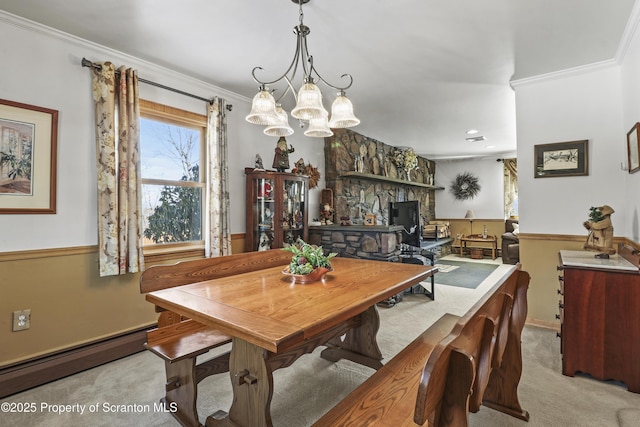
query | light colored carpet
[308, 388]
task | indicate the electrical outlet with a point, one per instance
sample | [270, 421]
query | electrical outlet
[21, 320]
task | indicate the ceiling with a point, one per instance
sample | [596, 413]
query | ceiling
[424, 71]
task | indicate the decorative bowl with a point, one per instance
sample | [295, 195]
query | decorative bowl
[315, 276]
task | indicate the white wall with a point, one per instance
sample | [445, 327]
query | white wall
[42, 67]
[568, 107]
[630, 70]
[489, 202]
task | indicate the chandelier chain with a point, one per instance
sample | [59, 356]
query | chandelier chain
[301, 13]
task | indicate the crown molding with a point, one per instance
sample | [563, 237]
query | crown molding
[629, 32]
[625, 41]
[110, 54]
[562, 74]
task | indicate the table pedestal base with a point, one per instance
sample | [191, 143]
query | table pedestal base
[359, 344]
[251, 367]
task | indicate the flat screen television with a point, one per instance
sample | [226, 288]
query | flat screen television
[407, 214]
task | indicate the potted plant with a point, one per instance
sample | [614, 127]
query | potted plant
[309, 263]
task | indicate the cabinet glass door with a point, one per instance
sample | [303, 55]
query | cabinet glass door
[264, 209]
[293, 211]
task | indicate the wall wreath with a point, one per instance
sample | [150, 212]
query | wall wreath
[465, 186]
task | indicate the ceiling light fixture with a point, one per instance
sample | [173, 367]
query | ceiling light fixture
[476, 139]
[472, 131]
[268, 111]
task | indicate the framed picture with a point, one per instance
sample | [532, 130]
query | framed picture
[28, 147]
[562, 159]
[633, 148]
[370, 219]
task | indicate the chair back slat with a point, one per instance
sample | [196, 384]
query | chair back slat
[186, 272]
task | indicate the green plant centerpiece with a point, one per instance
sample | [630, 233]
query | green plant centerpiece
[309, 263]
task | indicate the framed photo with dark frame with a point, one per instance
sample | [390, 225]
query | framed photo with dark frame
[28, 148]
[633, 148]
[562, 159]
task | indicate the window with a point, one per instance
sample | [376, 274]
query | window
[172, 153]
[510, 188]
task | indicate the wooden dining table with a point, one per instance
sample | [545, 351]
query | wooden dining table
[273, 321]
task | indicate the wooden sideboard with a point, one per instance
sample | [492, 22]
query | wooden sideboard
[600, 317]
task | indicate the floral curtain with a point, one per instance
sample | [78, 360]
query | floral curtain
[115, 97]
[218, 187]
[510, 187]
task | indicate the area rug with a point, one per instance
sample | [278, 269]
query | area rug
[462, 274]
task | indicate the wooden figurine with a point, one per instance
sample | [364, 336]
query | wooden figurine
[600, 230]
[281, 156]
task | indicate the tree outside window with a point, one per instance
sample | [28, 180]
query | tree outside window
[171, 154]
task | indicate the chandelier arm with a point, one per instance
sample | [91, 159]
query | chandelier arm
[340, 88]
[289, 87]
[312, 70]
[303, 31]
[293, 65]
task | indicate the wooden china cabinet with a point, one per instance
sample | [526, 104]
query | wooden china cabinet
[277, 204]
[600, 316]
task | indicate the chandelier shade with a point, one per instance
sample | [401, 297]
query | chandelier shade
[318, 128]
[263, 109]
[308, 99]
[281, 127]
[342, 113]
[309, 105]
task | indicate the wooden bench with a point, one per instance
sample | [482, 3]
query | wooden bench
[456, 365]
[179, 341]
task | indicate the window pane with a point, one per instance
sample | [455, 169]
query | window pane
[169, 151]
[171, 214]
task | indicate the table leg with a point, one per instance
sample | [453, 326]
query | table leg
[359, 344]
[252, 382]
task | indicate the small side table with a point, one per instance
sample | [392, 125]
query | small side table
[472, 242]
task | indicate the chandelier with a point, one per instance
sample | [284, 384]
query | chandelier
[268, 111]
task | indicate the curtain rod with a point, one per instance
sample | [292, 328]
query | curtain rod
[87, 63]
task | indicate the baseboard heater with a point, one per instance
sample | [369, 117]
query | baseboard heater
[33, 373]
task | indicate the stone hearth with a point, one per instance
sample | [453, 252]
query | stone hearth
[364, 241]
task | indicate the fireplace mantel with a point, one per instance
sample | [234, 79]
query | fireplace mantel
[372, 177]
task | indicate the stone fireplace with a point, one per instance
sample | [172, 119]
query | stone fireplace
[364, 180]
